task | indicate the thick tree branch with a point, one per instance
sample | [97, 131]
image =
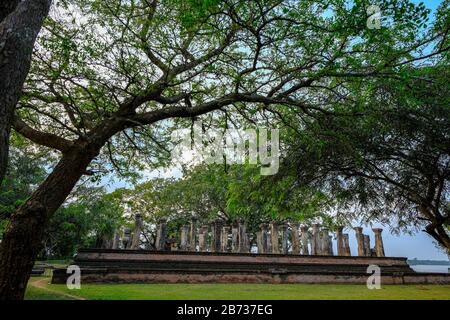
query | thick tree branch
[42, 138]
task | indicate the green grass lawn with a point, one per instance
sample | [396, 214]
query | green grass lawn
[40, 289]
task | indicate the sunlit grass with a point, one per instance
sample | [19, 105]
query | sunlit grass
[244, 291]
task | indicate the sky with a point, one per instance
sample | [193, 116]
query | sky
[420, 245]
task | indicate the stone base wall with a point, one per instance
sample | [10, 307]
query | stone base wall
[133, 266]
[168, 277]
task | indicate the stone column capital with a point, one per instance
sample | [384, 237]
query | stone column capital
[358, 229]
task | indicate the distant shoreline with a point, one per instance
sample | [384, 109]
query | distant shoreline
[415, 262]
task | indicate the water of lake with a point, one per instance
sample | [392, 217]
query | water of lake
[431, 268]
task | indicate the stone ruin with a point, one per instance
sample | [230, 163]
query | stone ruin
[220, 253]
[274, 238]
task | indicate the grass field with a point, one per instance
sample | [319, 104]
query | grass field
[40, 289]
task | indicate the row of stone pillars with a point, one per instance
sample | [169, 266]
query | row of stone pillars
[363, 241]
[271, 238]
[190, 240]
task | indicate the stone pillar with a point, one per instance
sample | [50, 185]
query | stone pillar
[137, 232]
[224, 239]
[367, 251]
[305, 237]
[340, 241]
[319, 244]
[261, 239]
[330, 246]
[116, 240]
[126, 241]
[360, 240]
[346, 243]
[193, 235]
[295, 238]
[315, 241]
[379, 247]
[161, 235]
[203, 239]
[243, 243]
[284, 238]
[324, 242]
[184, 243]
[216, 231]
[268, 240]
[274, 237]
[234, 238]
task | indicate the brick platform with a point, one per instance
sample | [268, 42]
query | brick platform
[139, 266]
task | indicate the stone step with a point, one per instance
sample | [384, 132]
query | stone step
[194, 265]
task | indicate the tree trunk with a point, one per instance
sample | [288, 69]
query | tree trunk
[436, 228]
[440, 235]
[22, 240]
[6, 7]
[19, 27]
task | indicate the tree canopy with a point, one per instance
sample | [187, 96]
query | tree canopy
[389, 164]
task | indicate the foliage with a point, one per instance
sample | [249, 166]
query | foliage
[25, 172]
[89, 215]
[308, 67]
[391, 162]
[208, 192]
[85, 222]
[125, 60]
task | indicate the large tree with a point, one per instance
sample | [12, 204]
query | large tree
[20, 23]
[112, 77]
